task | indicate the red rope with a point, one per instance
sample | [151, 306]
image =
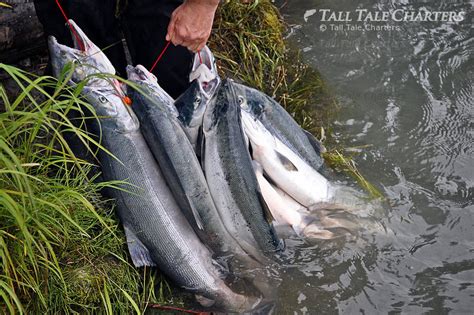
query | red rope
[171, 308]
[159, 56]
[120, 94]
[199, 55]
[73, 31]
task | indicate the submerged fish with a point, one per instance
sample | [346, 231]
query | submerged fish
[286, 210]
[192, 103]
[280, 124]
[285, 168]
[158, 232]
[228, 170]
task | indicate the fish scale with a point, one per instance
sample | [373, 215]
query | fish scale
[150, 211]
[230, 176]
[280, 123]
[147, 209]
[176, 157]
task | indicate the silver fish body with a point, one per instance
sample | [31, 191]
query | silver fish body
[180, 166]
[192, 103]
[145, 204]
[285, 168]
[230, 176]
[148, 209]
[280, 123]
[191, 106]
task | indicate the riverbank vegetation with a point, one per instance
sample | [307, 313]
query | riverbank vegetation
[61, 247]
[248, 42]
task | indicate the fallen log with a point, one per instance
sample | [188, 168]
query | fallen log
[21, 34]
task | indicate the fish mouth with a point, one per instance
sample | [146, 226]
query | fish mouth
[63, 54]
[140, 73]
[83, 48]
[204, 57]
[204, 71]
[80, 40]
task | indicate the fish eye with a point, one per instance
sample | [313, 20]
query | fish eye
[242, 102]
[102, 99]
[197, 100]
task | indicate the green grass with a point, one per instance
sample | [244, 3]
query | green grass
[248, 42]
[61, 248]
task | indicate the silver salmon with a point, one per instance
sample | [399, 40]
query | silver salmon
[158, 232]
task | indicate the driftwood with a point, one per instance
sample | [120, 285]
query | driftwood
[21, 34]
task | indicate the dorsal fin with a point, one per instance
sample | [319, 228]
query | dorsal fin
[315, 143]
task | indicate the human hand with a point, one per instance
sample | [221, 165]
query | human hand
[191, 23]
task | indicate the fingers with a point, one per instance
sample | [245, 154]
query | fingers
[171, 27]
[195, 46]
[190, 26]
[201, 46]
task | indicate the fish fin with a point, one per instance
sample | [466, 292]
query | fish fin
[252, 251]
[314, 232]
[315, 143]
[199, 143]
[196, 215]
[266, 210]
[286, 162]
[202, 150]
[204, 301]
[221, 267]
[138, 252]
[311, 228]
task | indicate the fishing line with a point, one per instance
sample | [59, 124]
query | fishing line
[163, 52]
[125, 99]
[160, 56]
[73, 31]
[176, 309]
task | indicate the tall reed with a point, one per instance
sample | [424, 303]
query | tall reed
[61, 248]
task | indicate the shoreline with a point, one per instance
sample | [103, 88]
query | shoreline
[78, 261]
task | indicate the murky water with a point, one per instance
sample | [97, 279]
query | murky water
[407, 91]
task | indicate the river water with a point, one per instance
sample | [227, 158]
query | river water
[406, 95]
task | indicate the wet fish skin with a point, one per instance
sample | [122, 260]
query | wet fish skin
[192, 103]
[285, 168]
[168, 142]
[147, 208]
[184, 175]
[229, 173]
[191, 106]
[280, 123]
